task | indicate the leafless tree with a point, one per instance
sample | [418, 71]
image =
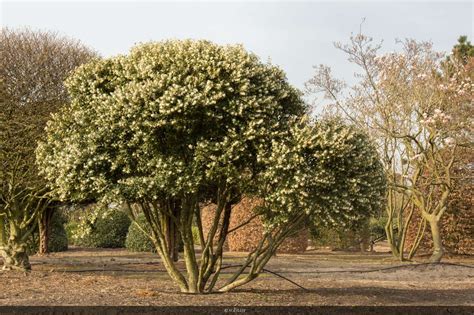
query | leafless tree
[33, 66]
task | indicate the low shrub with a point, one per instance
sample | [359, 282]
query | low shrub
[342, 238]
[99, 227]
[58, 239]
[136, 240]
[377, 228]
[196, 239]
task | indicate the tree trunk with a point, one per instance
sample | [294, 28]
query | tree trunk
[176, 242]
[391, 241]
[364, 237]
[45, 230]
[438, 250]
[15, 257]
[238, 283]
[172, 238]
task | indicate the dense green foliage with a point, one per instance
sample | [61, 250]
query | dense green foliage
[169, 126]
[337, 238]
[170, 118]
[58, 239]
[137, 240]
[356, 237]
[100, 228]
[329, 170]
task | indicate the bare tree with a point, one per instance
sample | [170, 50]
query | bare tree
[33, 66]
[419, 117]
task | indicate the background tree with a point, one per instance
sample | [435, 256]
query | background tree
[33, 67]
[418, 117]
[462, 53]
[326, 170]
[457, 224]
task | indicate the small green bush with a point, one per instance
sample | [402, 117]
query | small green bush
[196, 239]
[136, 240]
[71, 227]
[365, 232]
[100, 228]
[377, 227]
[58, 239]
[341, 238]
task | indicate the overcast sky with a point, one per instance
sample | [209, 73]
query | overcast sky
[293, 34]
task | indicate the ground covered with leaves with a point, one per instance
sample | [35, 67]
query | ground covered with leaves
[117, 277]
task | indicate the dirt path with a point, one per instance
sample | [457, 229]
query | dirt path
[118, 277]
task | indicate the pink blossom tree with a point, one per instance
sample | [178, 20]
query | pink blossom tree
[418, 115]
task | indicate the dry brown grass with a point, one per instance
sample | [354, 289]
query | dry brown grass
[91, 277]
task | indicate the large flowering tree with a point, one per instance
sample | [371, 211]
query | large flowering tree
[418, 115]
[164, 129]
[178, 124]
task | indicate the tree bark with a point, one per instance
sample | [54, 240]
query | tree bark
[208, 267]
[15, 257]
[45, 230]
[172, 238]
[391, 241]
[438, 250]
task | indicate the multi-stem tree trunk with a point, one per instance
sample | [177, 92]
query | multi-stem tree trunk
[17, 223]
[397, 205]
[170, 230]
[13, 248]
[400, 211]
[15, 256]
[203, 272]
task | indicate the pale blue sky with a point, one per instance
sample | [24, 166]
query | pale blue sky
[294, 34]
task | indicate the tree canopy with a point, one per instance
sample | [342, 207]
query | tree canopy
[170, 118]
[326, 169]
[164, 129]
